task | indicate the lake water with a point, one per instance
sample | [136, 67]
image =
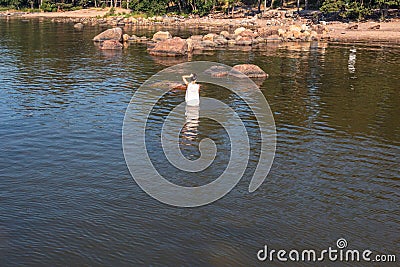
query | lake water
[67, 197]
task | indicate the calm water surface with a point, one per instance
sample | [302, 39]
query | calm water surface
[67, 197]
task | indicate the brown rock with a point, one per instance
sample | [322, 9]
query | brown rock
[260, 40]
[110, 34]
[194, 45]
[313, 35]
[78, 26]
[244, 40]
[265, 32]
[296, 34]
[161, 36]
[247, 33]
[171, 85]
[250, 70]
[353, 27]
[239, 30]
[220, 41]
[209, 37]
[231, 42]
[273, 38]
[207, 43]
[125, 37]
[231, 37]
[133, 38]
[320, 29]
[375, 27]
[180, 87]
[294, 28]
[217, 71]
[111, 45]
[197, 37]
[170, 47]
[225, 34]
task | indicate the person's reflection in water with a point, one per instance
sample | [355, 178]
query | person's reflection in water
[190, 129]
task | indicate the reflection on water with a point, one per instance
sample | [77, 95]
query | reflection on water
[190, 130]
[67, 197]
[352, 60]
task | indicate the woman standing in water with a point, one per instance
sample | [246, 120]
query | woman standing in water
[192, 96]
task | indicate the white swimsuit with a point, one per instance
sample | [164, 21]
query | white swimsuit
[192, 97]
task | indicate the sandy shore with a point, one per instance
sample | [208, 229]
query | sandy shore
[388, 32]
[82, 13]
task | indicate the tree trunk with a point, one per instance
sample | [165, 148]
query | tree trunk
[298, 6]
[179, 6]
[272, 3]
[306, 4]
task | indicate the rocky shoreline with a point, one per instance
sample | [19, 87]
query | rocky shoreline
[164, 44]
[272, 26]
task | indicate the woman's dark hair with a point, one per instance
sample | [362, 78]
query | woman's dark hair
[194, 77]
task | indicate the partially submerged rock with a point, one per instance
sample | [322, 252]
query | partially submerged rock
[217, 71]
[171, 85]
[110, 34]
[250, 70]
[78, 26]
[125, 37]
[170, 47]
[161, 36]
[111, 45]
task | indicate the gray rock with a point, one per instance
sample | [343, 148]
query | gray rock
[161, 36]
[250, 70]
[110, 34]
[78, 26]
[170, 47]
[111, 45]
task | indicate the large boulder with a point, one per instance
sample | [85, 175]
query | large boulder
[220, 40]
[170, 47]
[294, 28]
[78, 26]
[111, 45]
[110, 34]
[250, 70]
[161, 36]
[207, 43]
[239, 30]
[247, 33]
[244, 40]
[210, 37]
[125, 37]
[193, 44]
[225, 34]
[197, 37]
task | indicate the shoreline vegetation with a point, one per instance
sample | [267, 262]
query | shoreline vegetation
[271, 25]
